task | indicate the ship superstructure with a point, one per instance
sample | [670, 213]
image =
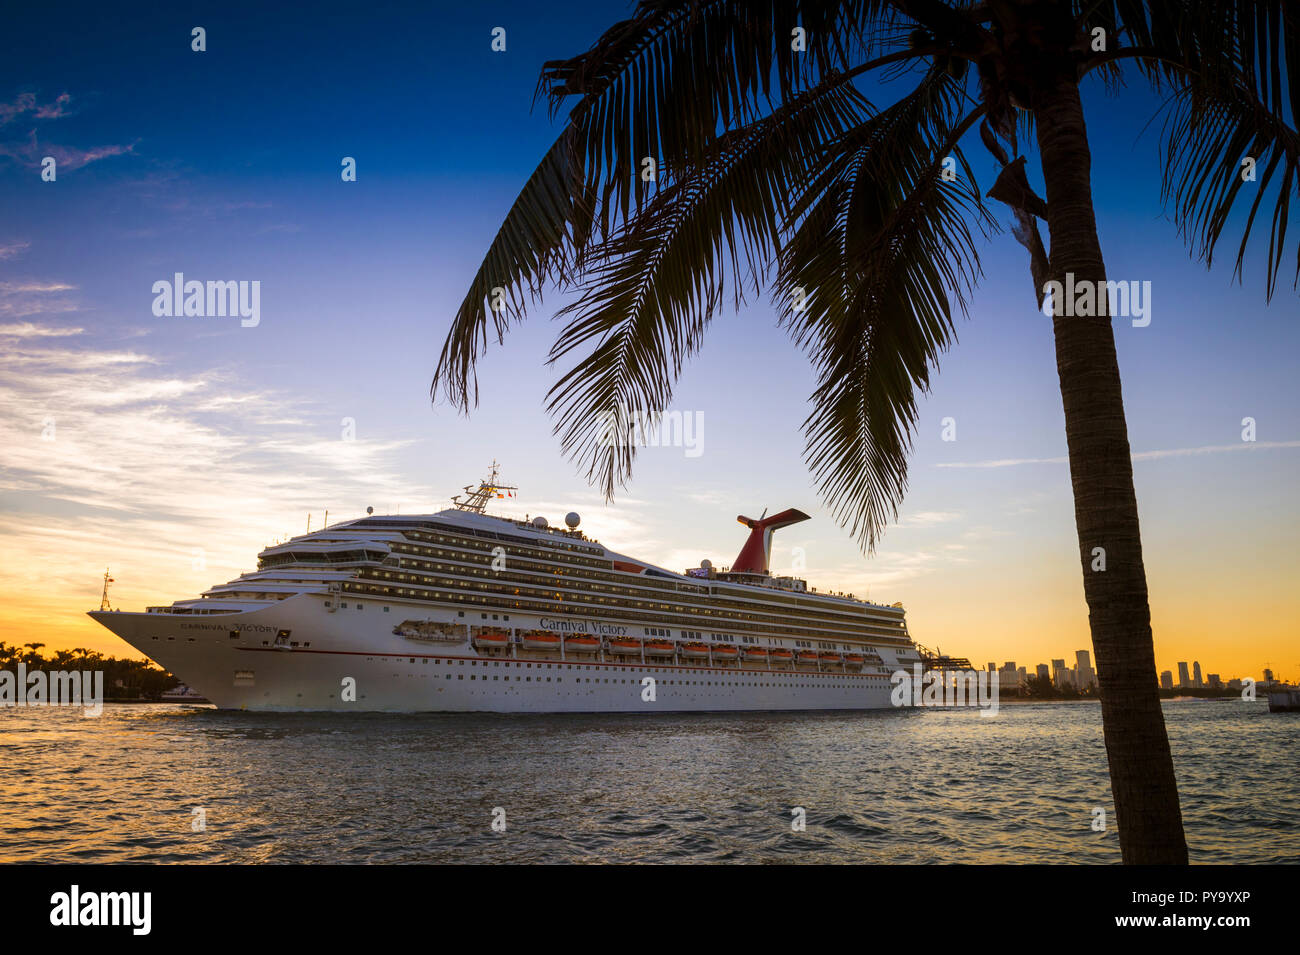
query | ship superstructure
[463, 610]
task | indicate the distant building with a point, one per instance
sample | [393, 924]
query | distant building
[1167, 680]
[1043, 672]
[1196, 674]
[1023, 676]
[992, 667]
[1268, 675]
[1009, 665]
[1083, 669]
[1183, 678]
[1059, 673]
[1213, 681]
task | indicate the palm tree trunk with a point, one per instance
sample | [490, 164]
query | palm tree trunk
[1105, 505]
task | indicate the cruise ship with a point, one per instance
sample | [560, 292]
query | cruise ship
[462, 610]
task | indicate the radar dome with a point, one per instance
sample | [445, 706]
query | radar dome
[370, 510]
[539, 522]
[572, 519]
[706, 564]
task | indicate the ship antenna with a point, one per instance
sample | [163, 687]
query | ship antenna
[477, 499]
[103, 598]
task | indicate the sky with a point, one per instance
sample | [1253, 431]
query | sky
[171, 449]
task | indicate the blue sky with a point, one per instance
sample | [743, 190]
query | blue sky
[185, 435]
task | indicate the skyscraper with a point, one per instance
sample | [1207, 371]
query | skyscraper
[1196, 673]
[1183, 678]
[1043, 672]
[1059, 673]
[1166, 680]
[1083, 668]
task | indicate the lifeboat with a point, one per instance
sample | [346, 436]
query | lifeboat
[624, 647]
[541, 640]
[830, 659]
[726, 653]
[695, 651]
[492, 639]
[782, 657]
[659, 648]
[758, 654]
[806, 658]
[853, 661]
[582, 643]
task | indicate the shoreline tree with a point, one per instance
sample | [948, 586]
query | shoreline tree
[715, 142]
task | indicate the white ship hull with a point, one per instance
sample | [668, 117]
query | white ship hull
[326, 649]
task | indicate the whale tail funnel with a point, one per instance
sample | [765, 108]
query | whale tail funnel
[757, 552]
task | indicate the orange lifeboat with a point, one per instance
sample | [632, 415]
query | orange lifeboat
[758, 654]
[854, 661]
[806, 658]
[582, 643]
[625, 647]
[541, 640]
[830, 659]
[695, 651]
[659, 648]
[491, 640]
[726, 653]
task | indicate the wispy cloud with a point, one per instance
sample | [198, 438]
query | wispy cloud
[928, 518]
[29, 152]
[29, 330]
[25, 103]
[29, 297]
[104, 447]
[1139, 456]
[11, 250]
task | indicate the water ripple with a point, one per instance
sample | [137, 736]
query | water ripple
[927, 787]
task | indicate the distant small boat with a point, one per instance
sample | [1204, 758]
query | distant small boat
[1284, 699]
[183, 694]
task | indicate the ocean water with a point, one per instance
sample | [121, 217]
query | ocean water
[930, 786]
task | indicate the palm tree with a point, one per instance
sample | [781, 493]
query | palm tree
[717, 141]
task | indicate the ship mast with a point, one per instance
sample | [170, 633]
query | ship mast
[476, 500]
[103, 597]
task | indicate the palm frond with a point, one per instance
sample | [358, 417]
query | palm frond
[548, 222]
[868, 281]
[1243, 103]
[659, 282]
[1233, 68]
[661, 85]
